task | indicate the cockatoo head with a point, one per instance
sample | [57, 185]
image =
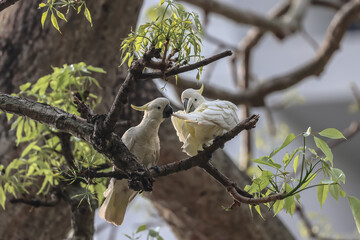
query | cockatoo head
[157, 109]
[192, 98]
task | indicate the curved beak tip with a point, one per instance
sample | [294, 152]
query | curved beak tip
[167, 111]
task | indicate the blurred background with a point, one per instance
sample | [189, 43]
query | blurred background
[320, 102]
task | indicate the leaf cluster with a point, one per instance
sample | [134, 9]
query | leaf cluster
[172, 29]
[307, 164]
[151, 234]
[42, 164]
[55, 7]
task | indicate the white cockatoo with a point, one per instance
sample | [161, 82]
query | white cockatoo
[143, 141]
[202, 120]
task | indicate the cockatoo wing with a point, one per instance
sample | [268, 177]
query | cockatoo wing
[219, 112]
[207, 121]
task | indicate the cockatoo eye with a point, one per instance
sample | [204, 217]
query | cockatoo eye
[159, 107]
[195, 99]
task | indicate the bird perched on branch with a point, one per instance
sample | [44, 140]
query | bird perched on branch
[202, 121]
[143, 141]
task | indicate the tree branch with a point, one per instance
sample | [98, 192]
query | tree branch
[256, 96]
[186, 68]
[241, 16]
[185, 164]
[115, 150]
[6, 3]
[36, 202]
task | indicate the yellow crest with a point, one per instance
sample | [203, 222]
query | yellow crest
[142, 108]
[201, 89]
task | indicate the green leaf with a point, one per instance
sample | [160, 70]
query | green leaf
[324, 148]
[9, 116]
[257, 208]
[267, 161]
[287, 141]
[79, 9]
[141, 228]
[289, 203]
[334, 190]
[296, 163]
[54, 22]
[25, 86]
[28, 149]
[60, 15]
[337, 175]
[153, 233]
[308, 132]
[43, 18]
[96, 69]
[88, 15]
[322, 193]
[2, 197]
[309, 179]
[161, 2]
[19, 130]
[279, 204]
[355, 209]
[332, 133]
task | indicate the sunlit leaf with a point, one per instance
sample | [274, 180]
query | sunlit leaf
[2, 197]
[267, 161]
[324, 148]
[289, 202]
[257, 208]
[96, 69]
[355, 209]
[54, 22]
[43, 18]
[332, 133]
[88, 15]
[322, 193]
[286, 142]
[25, 86]
[334, 190]
[60, 15]
[296, 163]
[278, 205]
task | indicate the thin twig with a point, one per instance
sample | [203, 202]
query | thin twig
[187, 68]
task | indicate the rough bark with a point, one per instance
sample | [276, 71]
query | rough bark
[191, 201]
[27, 53]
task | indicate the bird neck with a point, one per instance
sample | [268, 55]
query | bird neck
[151, 124]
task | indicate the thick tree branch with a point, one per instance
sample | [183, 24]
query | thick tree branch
[66, 148]
[187, 68]
[114, 149]
[36, 202]
[6, 3]
[185, 164]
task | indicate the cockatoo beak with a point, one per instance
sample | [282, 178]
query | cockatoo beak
[188, 105]
[186, 100]
[167, 111]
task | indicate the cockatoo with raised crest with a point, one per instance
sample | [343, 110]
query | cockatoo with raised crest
[143, 141]
[202, 120]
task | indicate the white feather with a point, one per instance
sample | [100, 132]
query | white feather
[143, 142]
[209, 120]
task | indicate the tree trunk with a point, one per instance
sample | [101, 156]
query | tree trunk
[191, 202]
